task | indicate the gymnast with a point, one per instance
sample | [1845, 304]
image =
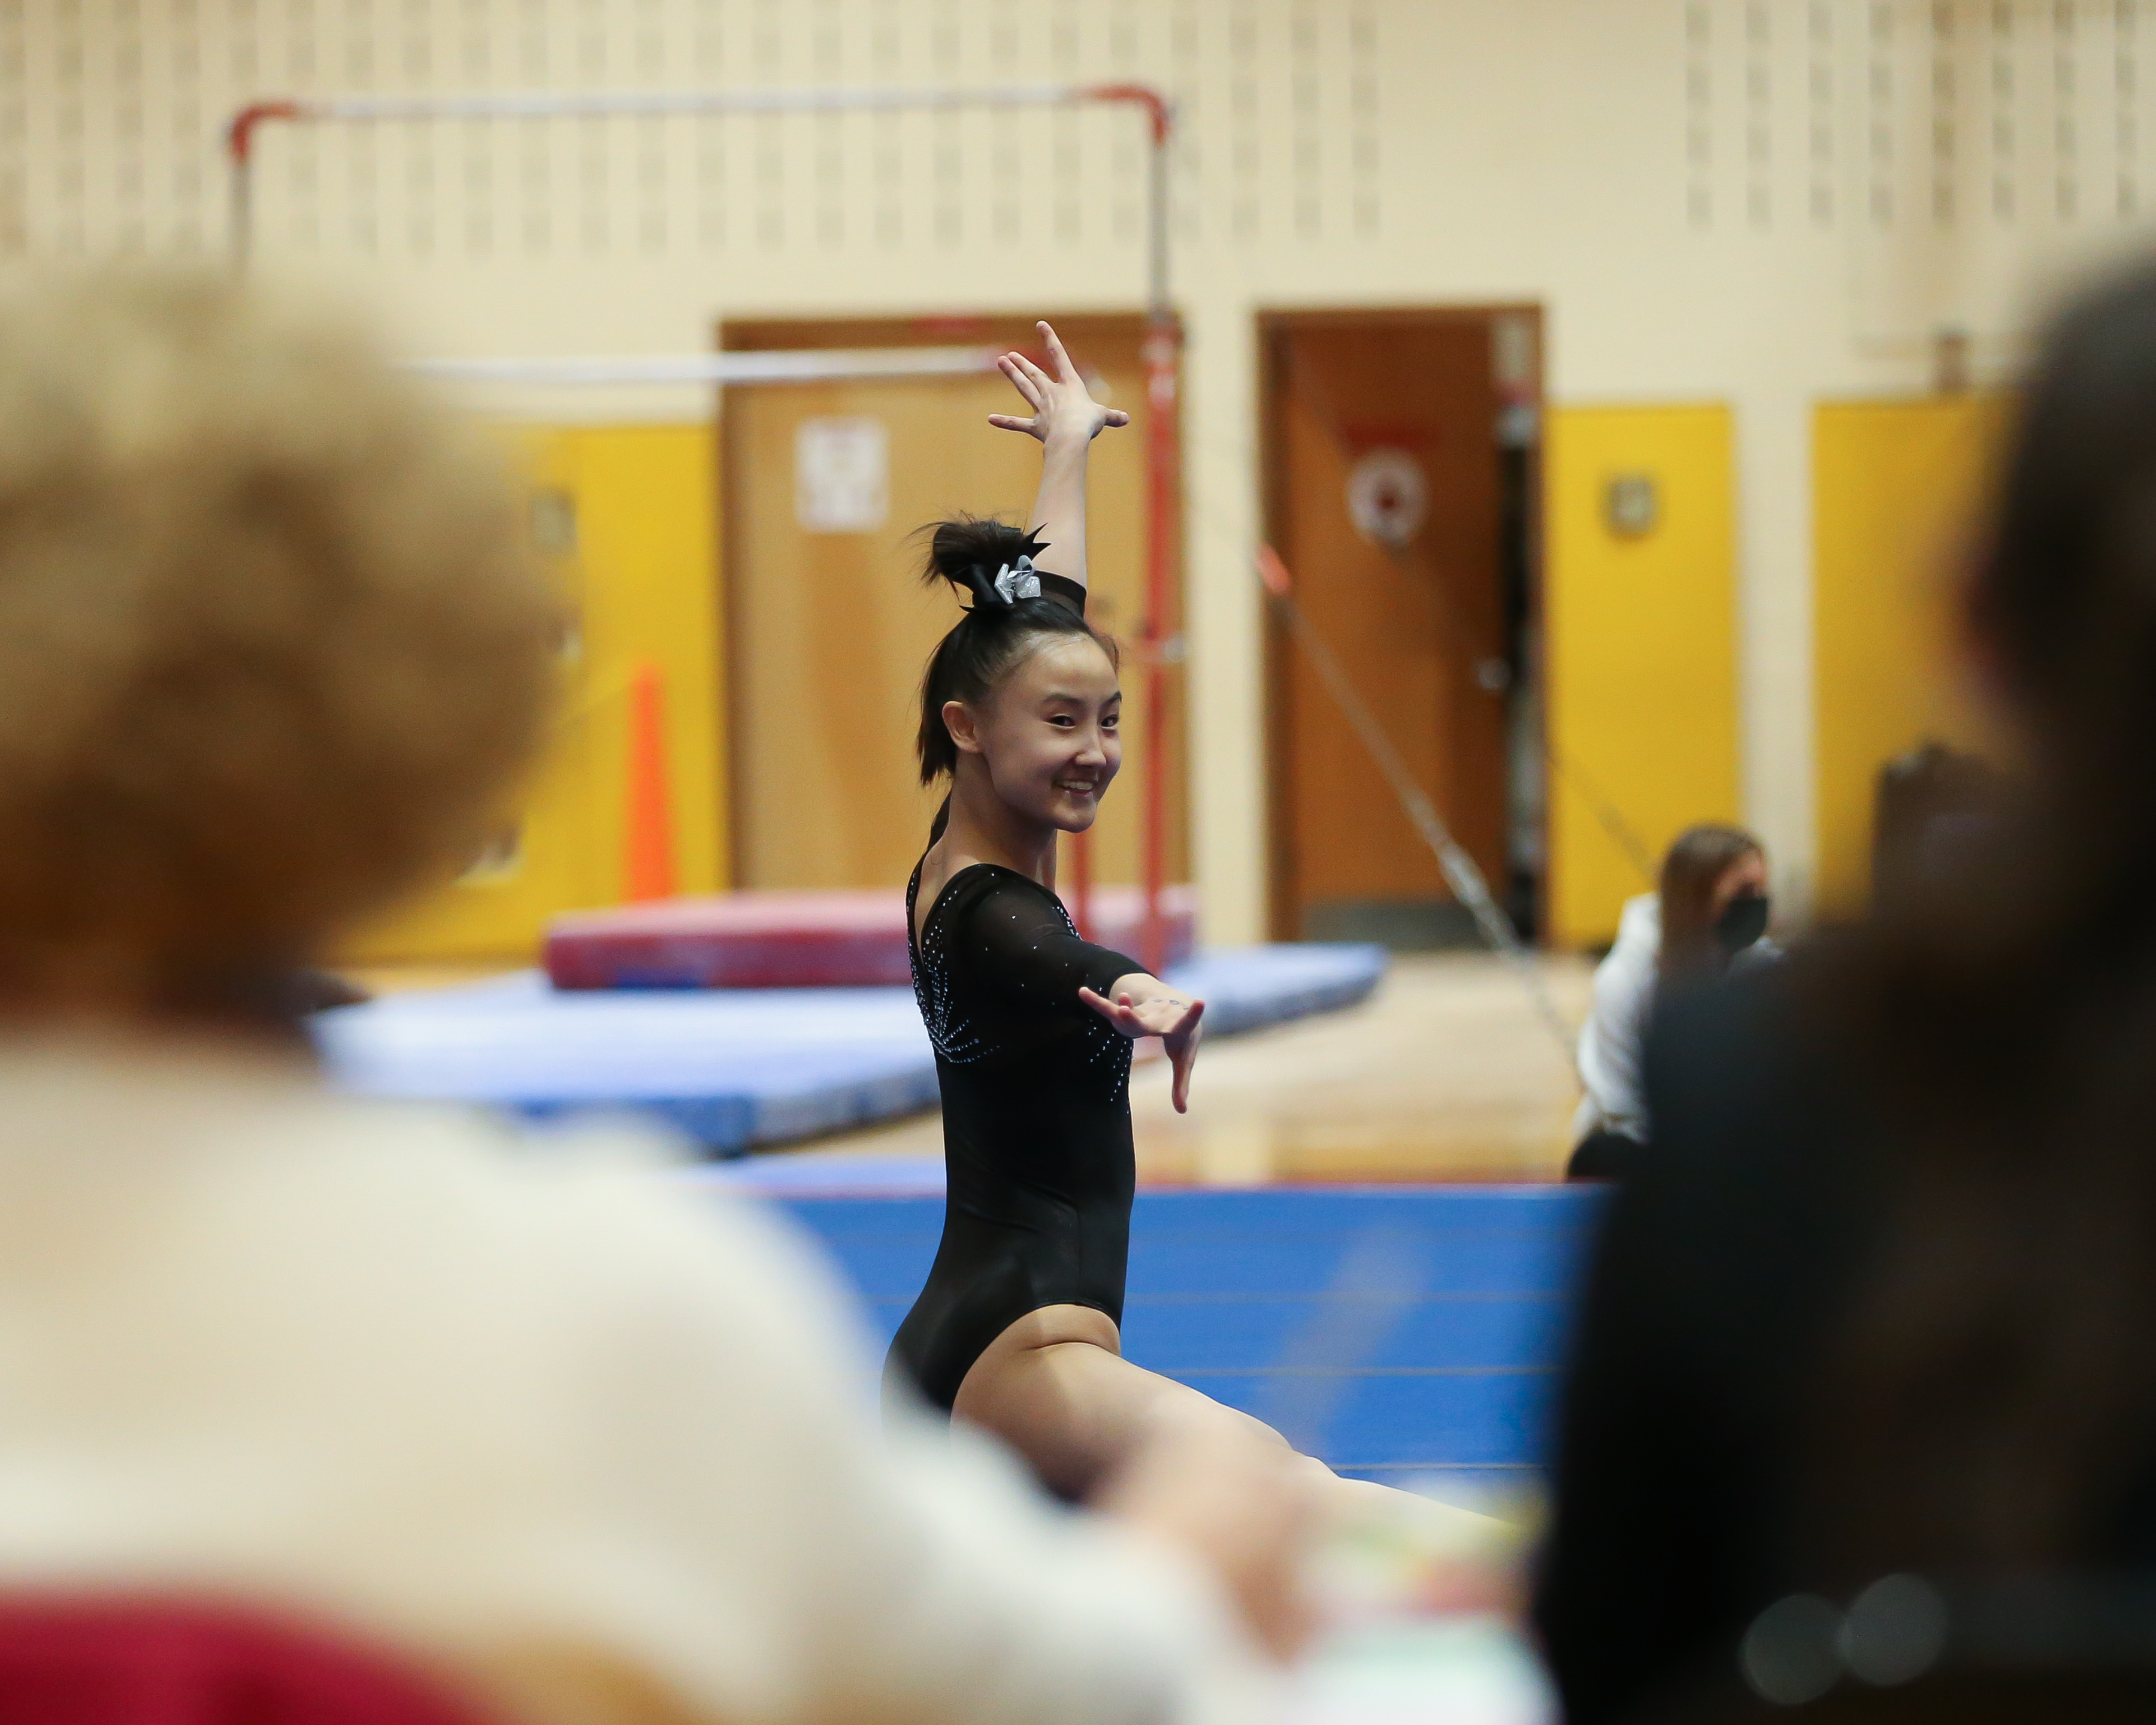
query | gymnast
[1016, 1330]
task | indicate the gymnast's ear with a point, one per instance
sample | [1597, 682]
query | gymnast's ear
[958, 721]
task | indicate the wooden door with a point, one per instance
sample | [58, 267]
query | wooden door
[830, 630]
[1400, 412]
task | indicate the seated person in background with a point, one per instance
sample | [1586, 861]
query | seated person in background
[1712, 911]
[587, 1449]
[1881, 1300]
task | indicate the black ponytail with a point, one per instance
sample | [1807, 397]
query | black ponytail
[995, 633]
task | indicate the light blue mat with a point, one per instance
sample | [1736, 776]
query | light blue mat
[731, 1068]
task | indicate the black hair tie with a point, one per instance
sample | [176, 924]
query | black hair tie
[1007, 585]
[981, 581]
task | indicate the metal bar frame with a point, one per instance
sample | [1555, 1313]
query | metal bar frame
[803, 365]
[1164, 335]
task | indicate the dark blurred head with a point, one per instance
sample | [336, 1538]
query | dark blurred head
[1702, 871]
[2064, 600]
[1995, 1392]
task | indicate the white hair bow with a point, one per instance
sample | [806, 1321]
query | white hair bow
[1017, 580]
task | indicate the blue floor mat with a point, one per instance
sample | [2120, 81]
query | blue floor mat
[1389, 1330]
[733, 1068]
[728, 1068]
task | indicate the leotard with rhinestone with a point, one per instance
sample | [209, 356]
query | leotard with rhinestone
[1036, 1119]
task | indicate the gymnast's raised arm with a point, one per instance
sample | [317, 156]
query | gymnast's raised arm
[1067, 419]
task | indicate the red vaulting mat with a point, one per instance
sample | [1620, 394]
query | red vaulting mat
[793, 940]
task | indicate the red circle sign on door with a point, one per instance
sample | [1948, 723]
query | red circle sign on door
[1388, 497]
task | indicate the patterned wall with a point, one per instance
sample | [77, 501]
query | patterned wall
[1761, 202]
[111, 111]
[1947, 141]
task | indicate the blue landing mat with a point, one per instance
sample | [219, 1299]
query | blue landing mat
[1388, 1330]
[731, 1068]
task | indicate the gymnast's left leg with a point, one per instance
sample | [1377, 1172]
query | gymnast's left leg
[1056, 1387]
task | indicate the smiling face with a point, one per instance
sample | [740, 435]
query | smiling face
[1049, 734]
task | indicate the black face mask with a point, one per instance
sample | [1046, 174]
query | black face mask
[1743, 921]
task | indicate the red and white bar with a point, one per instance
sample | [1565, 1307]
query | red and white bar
[808, 365]
[1162, 347]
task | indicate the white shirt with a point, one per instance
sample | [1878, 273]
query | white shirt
[594, 1452]
[1614, 1037]
[1616, 1028]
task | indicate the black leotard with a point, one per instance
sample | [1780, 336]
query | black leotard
[1036, 1121]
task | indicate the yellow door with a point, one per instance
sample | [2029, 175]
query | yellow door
[1892, 482]
[1641, 626]
[625, 515]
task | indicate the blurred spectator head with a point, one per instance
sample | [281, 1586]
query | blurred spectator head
[271, 646]
[2064, 601]
[1995, 1400]
[1707, 870]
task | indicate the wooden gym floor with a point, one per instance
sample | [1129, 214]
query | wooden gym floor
[1445, 1074]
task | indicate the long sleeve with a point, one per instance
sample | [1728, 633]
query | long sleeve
[910, 1577]
[1720, 1262]
[1610, 1042]
[600, 1449]
[1021, 952]
[1617, 1600]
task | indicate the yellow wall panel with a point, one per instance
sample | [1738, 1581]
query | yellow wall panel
[1891, 484]
[1642, 650]
[637, 548]
[647, 531]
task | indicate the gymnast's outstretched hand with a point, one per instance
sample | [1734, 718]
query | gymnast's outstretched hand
[1146, 1006]
[1063, 408]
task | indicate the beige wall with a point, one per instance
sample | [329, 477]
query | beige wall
[1757, 201]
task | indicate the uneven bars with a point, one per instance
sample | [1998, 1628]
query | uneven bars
[811, 364]
[533, 104]
[1164, 335]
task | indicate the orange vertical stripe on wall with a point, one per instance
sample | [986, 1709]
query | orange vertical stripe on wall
[647, 863]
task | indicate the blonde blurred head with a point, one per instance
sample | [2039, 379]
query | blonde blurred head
[271, 642]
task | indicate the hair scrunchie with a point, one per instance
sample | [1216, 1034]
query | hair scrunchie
[1009, 584]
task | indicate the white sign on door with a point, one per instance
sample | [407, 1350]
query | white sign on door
[841, 475]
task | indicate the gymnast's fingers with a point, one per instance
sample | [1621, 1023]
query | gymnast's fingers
[1183, 1052]
[1016, 367]
[1064, 371]
[1116, 416]
[1004, 421]
[1117, 1013]
[1041, 380]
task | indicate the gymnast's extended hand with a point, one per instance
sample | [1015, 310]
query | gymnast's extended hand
[1146, 1006]
[1063, 409]
[1067, 419]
